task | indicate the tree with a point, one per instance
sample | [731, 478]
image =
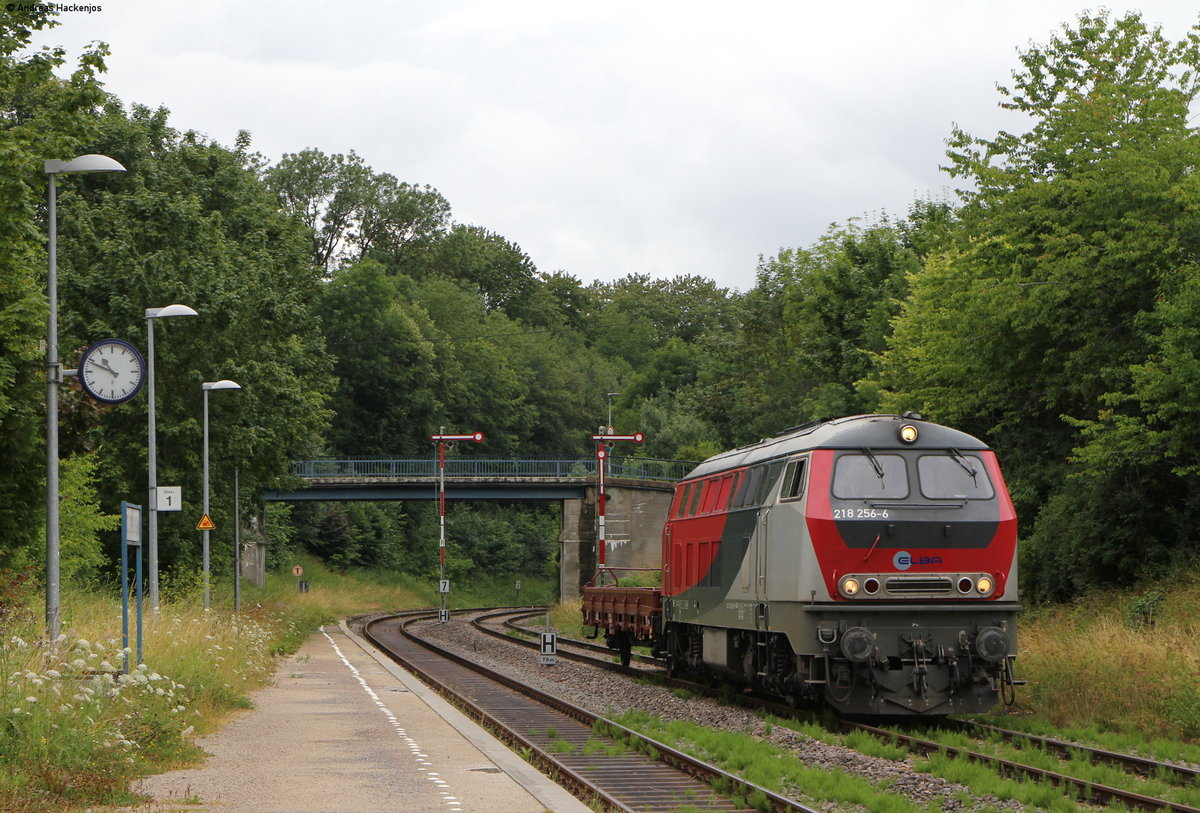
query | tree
[388, 379]
[351, 212]
[41, 116]
[1034, 322]
[814, 322]
[190, 222]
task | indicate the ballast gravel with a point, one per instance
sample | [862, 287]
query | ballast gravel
[603, 692]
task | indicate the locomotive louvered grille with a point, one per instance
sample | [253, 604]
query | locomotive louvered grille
[921, 585]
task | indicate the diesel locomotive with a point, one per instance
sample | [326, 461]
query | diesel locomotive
[867, 563]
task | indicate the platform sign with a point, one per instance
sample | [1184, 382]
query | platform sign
[549, 651]
[168, 498]
[131, 523]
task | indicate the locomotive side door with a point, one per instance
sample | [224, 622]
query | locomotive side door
[763, 554]
[788, 533]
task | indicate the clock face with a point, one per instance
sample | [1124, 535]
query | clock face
[112, 371]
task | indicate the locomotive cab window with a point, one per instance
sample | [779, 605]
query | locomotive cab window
[954, 475]
[870, 476]
[768, 482]
[793, 480]
[748, 488]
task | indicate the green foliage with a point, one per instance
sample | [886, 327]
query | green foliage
[81, 522]
[41, 117]
[1044, 327]
[190, 222]
[813, 324]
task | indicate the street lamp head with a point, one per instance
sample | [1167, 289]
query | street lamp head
[170, 310]
[223, 384]
[83, 164]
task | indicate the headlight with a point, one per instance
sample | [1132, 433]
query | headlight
[850, 587]
[984, 585]
[908, 433]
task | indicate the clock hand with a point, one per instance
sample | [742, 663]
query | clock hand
[104, 365]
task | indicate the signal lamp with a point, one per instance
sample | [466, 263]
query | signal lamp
[871, 586]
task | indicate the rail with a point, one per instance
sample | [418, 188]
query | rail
[425, 468]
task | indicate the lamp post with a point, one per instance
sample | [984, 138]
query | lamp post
[152, 503]
[54, 375]
[223, 384]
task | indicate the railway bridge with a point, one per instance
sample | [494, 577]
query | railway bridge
[637, 490]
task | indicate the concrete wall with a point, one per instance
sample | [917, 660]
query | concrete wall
[633, 521]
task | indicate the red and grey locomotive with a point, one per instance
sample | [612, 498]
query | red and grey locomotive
[867, 563]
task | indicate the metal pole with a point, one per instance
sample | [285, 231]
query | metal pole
[138, 605]
[53, 377]
[442, 522]
[152, 502]
[237, 546]
[125, 585]
[601, 457]
[207, 598]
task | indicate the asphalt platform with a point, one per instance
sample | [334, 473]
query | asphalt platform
[344, 730]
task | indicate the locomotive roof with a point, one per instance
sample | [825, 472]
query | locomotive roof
[874, 432]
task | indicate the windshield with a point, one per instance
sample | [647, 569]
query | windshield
[954, 476]
[870, 476]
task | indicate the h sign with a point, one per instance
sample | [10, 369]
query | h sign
[549, 643]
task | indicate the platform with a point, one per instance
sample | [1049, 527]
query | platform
[344, 730]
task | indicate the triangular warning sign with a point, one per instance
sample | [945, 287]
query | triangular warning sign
[205, 524]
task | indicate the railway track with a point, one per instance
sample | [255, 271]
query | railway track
[596, 759]
[1092, 791]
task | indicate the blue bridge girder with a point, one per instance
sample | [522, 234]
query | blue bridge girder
[472, 478]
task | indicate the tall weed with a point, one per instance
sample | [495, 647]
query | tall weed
[1123, 662]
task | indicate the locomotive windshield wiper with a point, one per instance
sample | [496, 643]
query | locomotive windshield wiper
[965, 462]
[874, 462]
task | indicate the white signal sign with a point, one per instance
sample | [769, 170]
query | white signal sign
[475, 436]
[549, 649]
[443, 615]
[636, 437]
[443, 586]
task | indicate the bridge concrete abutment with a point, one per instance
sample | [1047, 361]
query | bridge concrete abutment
[634, 520]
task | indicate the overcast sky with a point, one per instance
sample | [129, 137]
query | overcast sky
[605, 138]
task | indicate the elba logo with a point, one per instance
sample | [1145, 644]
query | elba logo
[903, 560]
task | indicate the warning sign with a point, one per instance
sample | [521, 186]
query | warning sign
[205, 524]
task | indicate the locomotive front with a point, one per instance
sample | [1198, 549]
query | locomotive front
[914, 535]
[870, 565]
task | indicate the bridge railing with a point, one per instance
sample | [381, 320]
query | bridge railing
[631, 468]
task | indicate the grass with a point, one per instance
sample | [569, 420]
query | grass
[75, 731]
[769, 766]
[1122, 667]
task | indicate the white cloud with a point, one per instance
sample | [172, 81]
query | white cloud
[663, 138]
